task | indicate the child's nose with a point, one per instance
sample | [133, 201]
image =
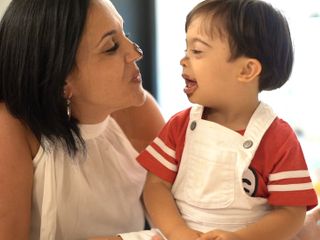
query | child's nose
[183, 61]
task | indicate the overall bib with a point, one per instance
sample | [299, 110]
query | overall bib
[209, 189]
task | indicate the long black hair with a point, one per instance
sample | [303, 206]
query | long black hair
[38, 44]
[253, 29]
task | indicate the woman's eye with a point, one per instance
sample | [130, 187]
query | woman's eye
[113, 48]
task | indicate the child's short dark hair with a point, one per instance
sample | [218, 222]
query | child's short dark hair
[253, 29]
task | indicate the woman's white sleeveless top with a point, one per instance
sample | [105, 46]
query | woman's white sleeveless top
[93, 194]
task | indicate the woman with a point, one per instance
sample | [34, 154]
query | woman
[73, 116]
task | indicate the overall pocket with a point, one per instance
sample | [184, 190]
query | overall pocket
[210, 177]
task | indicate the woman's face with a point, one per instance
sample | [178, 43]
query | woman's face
[106, 77]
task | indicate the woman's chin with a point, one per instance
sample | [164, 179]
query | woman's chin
[140, 99]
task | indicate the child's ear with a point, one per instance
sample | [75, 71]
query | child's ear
[251, 68]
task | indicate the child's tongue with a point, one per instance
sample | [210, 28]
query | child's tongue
[190, 87]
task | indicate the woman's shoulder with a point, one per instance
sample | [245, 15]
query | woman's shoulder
[140, 124]
[14, 134]
[9, 125]
[16, 172]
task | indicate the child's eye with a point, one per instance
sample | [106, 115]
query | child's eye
[194, 51]
[113, 48]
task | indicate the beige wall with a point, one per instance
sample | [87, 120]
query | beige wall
[3, 6]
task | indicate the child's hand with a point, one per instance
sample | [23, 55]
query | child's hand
[184, 233]
[106, 238]
[188, 234]
[218, 235]
[157, 237]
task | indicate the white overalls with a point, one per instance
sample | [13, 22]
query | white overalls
[208, 189]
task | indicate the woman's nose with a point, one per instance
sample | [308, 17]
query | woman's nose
[136, 54]
[138, 49]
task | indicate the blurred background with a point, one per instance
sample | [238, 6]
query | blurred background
[158, 27]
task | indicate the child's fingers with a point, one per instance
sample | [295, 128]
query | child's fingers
[157, 237]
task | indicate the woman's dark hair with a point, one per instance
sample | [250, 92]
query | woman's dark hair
[38, 44]
[253, 29]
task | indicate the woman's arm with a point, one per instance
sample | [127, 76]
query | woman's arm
[16, 176]
[140, 124]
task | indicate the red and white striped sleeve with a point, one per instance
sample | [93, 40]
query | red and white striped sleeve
[162, 156]
[289, 182]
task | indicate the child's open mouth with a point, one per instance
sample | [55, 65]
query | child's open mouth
[191, 85]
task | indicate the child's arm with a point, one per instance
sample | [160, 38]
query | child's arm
[281, 224]
[163, 210]
[311, 227]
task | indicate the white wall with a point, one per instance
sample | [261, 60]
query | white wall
[171, 44]
[3, 6]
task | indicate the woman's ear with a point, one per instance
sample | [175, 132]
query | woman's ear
[67, 92]
[251, 69]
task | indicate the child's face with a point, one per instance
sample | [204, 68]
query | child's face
[211, 78]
